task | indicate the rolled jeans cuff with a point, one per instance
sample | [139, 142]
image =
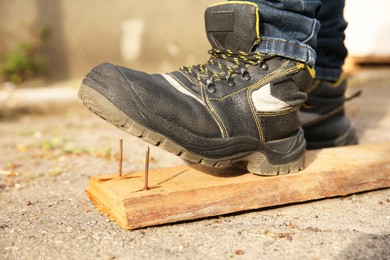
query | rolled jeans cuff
[293, 50]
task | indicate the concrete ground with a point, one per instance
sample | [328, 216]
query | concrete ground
[47, 158]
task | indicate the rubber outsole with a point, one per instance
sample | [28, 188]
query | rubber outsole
[255, 162]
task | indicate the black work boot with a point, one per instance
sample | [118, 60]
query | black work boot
[240, 108]
[323, 116]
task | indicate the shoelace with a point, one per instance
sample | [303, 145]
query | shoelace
[224, 64]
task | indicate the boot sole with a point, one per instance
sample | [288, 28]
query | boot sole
[255, 162]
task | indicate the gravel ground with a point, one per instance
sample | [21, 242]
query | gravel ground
[47, 158]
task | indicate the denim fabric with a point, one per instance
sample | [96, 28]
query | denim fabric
[311, 31]
[331, 50]
[288, 28]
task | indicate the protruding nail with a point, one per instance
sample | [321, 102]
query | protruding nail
[120, 156]
[146, 187]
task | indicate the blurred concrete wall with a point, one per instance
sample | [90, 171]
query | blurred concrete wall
[145, 34]
[152, 35]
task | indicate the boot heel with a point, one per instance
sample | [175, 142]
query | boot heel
[281, 156]
[259, 165]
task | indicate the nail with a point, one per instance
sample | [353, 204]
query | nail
[120, 156]
[146, 187]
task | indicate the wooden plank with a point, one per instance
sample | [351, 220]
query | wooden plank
[191, 192]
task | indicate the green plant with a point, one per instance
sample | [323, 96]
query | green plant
[28, 59]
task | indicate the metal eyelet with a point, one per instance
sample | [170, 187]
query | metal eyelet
[210, 86]
[263, 65]
[230, 81]
[247, 77]
[245, 74]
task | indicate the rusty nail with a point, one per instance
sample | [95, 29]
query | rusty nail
[120, 156]
[146, 187]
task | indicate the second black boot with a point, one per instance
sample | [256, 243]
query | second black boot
[240, 108]
[323, 115]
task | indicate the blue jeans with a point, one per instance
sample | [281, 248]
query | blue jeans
[310, 31]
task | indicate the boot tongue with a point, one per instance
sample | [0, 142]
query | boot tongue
[233, 26]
